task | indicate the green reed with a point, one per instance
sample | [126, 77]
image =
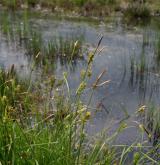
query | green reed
[59, 48]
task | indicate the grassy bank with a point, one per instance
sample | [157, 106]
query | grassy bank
[98, 8]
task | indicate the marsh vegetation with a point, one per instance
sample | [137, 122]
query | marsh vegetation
[71, 96]
[101, 8]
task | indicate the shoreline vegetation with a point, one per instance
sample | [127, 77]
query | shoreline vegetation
[137, 9]
[43, 125]
[40, 121]
[54, 132]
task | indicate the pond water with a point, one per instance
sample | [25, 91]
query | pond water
[128, 56]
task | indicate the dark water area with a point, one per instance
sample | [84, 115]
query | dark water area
[128, 56]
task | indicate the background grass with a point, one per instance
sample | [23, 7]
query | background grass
[88, 7]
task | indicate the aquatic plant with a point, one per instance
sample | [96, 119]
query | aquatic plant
[67, 50]
[34, 44]
[15, 29]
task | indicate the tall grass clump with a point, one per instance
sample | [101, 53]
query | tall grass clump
[13, 92]
[99, 8]
[34, 44]
[137, 11]
[67, 50]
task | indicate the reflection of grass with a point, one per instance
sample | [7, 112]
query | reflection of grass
[157, 49]
[139, 71]
[6, 27]
[13, 27]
